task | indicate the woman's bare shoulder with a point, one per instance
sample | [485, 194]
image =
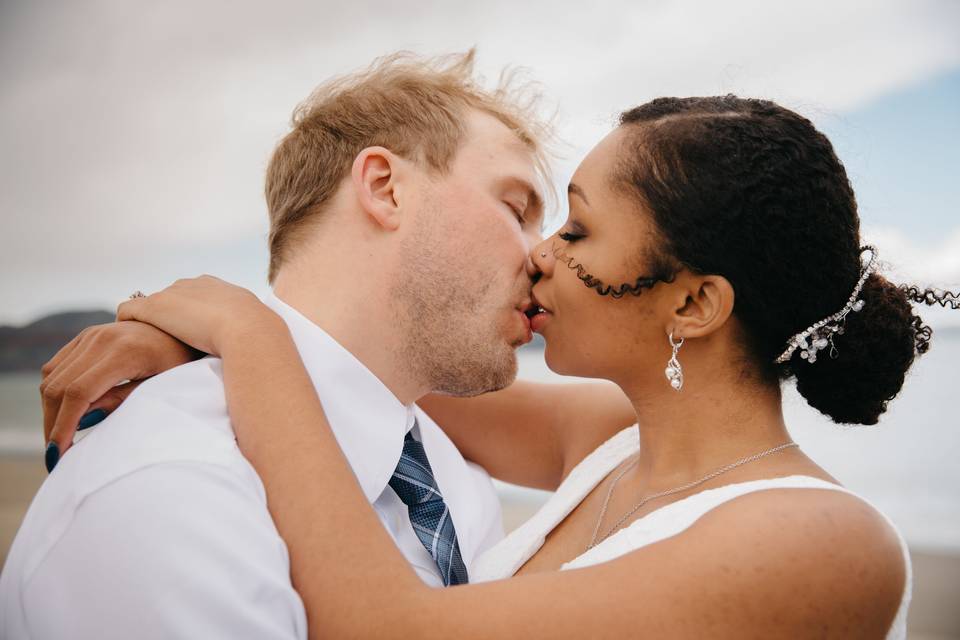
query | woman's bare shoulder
[789, 558]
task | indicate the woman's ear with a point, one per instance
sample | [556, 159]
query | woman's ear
[706, 307]
[375, 181]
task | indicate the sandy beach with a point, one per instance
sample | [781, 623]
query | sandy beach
[934, 614]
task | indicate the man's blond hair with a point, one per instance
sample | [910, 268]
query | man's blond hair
[414, 106]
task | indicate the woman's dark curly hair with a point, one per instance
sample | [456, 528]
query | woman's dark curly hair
[753, 192]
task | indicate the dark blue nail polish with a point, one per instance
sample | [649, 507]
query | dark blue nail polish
[52, 456]
[90, 419]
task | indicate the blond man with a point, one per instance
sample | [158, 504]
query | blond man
[403, 205]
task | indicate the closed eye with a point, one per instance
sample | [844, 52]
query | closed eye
[517, 212]
[569, 237]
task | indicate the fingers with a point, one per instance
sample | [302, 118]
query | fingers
[106, 404]
[53, 392]
[155, 309]
[190, 310]
[129, 309]
[54, 384]
[86, 387]
[49, 399]
[61, 437]
[62, 354]
[52, 372]
[139, 308]
[201, 312]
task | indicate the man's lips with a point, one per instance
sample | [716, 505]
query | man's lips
[527, 329]
[526, 310]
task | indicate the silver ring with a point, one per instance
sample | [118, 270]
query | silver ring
[137, 294]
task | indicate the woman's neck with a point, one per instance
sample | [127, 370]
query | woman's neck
[711, 423]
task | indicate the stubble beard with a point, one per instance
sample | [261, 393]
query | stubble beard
[451, 336]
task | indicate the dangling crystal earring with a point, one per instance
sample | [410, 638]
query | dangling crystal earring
[674, 371]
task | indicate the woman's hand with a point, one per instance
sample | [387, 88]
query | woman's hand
[206, 313]
[96, 371]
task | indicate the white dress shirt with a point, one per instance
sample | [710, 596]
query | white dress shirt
[155, 526]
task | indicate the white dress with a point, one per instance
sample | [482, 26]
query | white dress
[506, 558]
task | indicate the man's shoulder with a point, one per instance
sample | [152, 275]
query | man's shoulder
[193, 529]
[168, 448]
[179, 416]
[193, 391]
[191, 395]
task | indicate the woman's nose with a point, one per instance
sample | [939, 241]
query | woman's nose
[541, 259]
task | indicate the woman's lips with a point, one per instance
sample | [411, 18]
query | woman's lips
[539, 320]
[537, 313]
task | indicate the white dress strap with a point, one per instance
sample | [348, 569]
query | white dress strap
[506, 558]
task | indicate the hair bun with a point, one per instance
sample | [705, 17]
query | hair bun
[872, 357]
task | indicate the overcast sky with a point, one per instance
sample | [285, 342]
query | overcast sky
[134, 135]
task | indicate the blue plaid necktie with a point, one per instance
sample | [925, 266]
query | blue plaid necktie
[413, 482]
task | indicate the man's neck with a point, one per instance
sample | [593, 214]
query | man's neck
[354, 316]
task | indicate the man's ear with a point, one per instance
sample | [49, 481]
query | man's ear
[374, 177]
[702, 306]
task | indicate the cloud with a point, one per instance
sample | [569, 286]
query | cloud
[135, 135]
[936, 264]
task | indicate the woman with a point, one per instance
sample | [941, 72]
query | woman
[707, 521]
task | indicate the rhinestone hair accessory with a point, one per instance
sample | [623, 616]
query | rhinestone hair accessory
[820, 334]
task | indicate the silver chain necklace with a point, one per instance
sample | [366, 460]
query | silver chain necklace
[606, 503]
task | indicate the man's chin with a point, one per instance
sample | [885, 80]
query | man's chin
[516, 344]
[474, 380]
[473, 392]
[504, 380]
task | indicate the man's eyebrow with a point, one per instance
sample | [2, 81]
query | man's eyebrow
[574, 188]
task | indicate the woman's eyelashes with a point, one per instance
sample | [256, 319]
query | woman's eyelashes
[573, 230]
[570, 236]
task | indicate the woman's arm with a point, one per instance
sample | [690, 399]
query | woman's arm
[742, 567]
[747, 565]
[549, 427]
[530, 433]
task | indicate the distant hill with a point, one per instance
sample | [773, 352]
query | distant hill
[27, 348]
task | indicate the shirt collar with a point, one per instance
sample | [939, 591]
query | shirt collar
[367, 419]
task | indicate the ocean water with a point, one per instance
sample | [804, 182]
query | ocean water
[21, 416]
[908, 465]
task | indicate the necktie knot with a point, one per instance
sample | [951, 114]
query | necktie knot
[413, 479]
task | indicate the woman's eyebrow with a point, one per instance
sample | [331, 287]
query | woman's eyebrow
[574, 189]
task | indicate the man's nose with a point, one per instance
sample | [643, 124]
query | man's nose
[533, 271]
